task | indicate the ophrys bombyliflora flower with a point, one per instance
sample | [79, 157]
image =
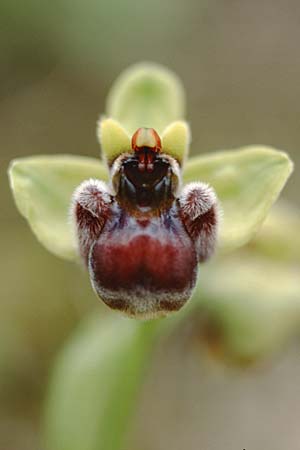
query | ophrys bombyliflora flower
[144, 187]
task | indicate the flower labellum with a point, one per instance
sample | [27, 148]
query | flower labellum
[141, 235]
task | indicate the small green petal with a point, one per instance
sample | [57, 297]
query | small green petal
[95, 384]
[176, 140]
[114, 140]
[42, 187]
[247, 181]
[146, 95]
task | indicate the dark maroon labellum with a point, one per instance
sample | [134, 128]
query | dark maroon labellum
[139, 266]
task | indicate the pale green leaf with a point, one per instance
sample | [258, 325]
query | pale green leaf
[146, 95]
[247, 182]
[96, 381]
[42, 187]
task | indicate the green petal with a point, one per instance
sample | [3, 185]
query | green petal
[176, 140]
[42, 187]
[247, 182]
[250, 307]
[114, 140]
[96, 382]
[146, 95]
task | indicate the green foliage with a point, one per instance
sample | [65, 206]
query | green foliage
[96, 381]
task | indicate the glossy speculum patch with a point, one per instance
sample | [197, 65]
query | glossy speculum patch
[142, 236]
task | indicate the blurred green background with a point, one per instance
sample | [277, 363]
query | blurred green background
[240, 64]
